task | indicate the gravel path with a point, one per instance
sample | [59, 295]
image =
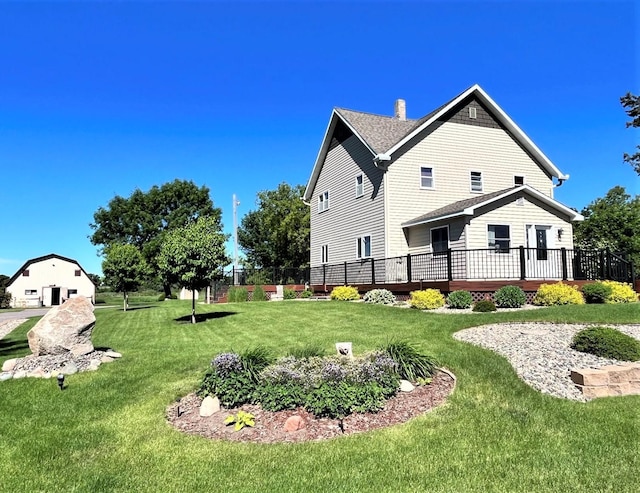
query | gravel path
[540, 352]
[8, 325]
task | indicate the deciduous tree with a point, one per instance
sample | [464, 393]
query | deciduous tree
[144, 218]
[124, 269]
[613, 222]
[277, 233]
[193, 255]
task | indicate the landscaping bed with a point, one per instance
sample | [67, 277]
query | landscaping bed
[269, 426]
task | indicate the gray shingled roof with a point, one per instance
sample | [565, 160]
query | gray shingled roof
[382, 132]
[458, 207]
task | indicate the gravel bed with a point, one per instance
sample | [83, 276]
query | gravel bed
[9, 325]
[540, 352]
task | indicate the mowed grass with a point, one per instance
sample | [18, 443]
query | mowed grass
[107, 431]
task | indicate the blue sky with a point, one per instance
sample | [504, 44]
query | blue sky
[100, 98]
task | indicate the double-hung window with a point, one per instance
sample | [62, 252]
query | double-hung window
[440, 240]
[323, 201]
[476, 181]
[359, 186]
[426, 177]
[325, 254]
[363, 247]
[498, 235]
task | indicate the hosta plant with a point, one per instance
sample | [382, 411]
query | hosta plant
[240, 420]
[379, 297]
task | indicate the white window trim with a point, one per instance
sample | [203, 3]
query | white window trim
[471, 182]
[360, 193]
[510, 226]
[325, 201]
[446, 226]
[324, 254]
[433, 178]
[359, 241]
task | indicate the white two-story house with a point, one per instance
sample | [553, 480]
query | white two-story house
[459, 190]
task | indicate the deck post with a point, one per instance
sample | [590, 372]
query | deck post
[603, 266]
[345, 273]
[523, 265]
[563, 251]
[373, 271]
[324, 274]
[408, 267]
[449, 265]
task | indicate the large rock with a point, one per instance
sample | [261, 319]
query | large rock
[63, 328]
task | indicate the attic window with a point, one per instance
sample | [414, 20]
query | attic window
[78, 272]
[473, 113]
[25, 273]
[518, 180]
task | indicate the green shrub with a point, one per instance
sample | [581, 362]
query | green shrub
[307, 293]
[233, 377]
[459, 299]
[596, 292]
[259, 294]
[5, 300]
[161, 297]
[427, 299]
[289, 294]
[510, 297]
[379, 297]
[484, 306]
[558, 294]
[607, 343]
[621, 292]
[411, 363]
[344, 293]
[99, 301]
[237, 294]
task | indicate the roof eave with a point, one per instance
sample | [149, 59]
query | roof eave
[322, 153]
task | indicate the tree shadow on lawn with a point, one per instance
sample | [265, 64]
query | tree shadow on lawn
[9, 346]
[203, 317]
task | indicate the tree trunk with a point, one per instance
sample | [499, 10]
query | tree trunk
[193, 306]
[124, 298]
[167, 290]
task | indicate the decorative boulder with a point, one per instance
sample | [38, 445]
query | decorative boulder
[63, 328]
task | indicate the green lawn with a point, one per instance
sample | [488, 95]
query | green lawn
[107, 431]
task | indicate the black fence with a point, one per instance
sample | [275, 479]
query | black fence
[453, 265]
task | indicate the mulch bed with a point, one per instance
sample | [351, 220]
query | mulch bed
[269, 427]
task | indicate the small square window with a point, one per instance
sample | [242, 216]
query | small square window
[426, 177]
[25, 273]
[78, 271]
[359, 186]
[476, 181]
[518, 180]
[473, 113]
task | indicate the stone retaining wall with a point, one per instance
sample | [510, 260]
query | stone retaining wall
[608, 381]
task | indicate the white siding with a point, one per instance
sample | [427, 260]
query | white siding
[453, 150]
[348, 217]
[50, 272]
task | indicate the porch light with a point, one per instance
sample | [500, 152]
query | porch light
[60, 381]
[560, 231]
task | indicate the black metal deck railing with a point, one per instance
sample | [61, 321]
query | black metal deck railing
[453, 265]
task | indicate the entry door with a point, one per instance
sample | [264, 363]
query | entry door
[55, 296]
[46, 296]
[538, 242]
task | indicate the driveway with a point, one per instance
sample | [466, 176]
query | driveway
[32, 312]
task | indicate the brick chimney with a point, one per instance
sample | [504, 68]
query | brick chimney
[400, 109]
